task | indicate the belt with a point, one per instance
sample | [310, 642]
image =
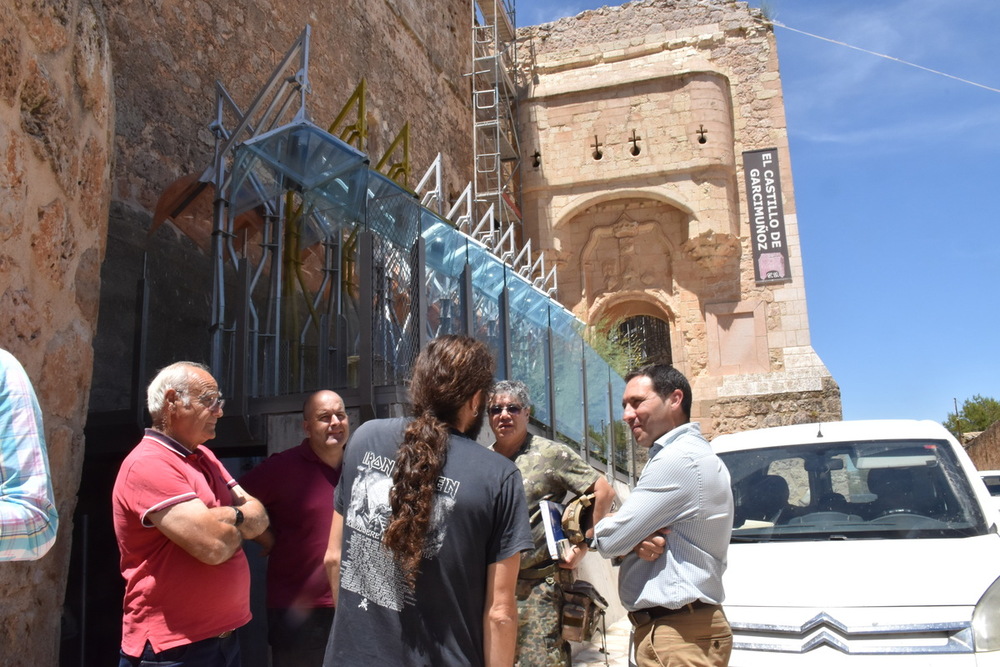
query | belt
[540, 572]
[644, 616]
[226, 634]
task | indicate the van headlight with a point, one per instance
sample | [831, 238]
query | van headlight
[986, 620]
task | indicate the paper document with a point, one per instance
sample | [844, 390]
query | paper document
[555, 538]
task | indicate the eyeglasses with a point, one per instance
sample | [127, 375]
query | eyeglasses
[211, 402]
[513, 409]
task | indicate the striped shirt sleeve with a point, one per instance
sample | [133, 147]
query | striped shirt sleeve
[28, 518]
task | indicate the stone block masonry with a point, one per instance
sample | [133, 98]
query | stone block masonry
[642, 114]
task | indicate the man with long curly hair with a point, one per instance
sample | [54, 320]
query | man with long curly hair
[428, 527]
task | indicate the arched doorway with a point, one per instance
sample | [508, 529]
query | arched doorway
[645, 337]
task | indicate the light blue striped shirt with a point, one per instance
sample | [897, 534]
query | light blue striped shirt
[685, 487]
[28, 519]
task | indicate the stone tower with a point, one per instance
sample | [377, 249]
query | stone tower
[639, 124]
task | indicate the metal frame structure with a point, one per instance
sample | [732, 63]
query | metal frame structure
[496, 148]
[329, 274]
[495, 145]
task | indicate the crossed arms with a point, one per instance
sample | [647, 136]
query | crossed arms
[210, 534]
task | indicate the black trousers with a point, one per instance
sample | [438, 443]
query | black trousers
[298, 636]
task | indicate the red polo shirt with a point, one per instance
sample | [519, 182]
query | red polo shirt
[172, 598]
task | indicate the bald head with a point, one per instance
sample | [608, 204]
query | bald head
[326, 425]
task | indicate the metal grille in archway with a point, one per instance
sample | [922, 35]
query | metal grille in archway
[647, 339]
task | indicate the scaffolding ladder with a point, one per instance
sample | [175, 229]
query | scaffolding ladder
[495, 144]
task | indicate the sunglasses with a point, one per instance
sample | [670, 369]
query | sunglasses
[512, 409]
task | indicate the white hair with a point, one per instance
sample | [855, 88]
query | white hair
[176, 376]
[514, 388]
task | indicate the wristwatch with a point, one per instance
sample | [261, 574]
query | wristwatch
[591, 543]
[239, 516]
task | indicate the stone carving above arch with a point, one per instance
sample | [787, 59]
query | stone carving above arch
[627, 255]
[570, 208]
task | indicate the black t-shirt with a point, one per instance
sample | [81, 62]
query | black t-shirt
[479, 518]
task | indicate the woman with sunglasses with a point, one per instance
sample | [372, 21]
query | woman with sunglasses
[550, 471]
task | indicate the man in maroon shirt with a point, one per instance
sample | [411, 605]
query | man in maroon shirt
[296, 486]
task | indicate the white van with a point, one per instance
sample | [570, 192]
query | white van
[991, 478]
[860, 543]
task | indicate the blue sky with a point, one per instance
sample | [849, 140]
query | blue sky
[896, 173]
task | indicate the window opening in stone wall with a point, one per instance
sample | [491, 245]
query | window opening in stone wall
[646, 338]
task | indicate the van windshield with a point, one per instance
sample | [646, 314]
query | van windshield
[852, 490]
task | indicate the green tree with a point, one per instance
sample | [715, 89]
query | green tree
[603, 338]
[977, 414]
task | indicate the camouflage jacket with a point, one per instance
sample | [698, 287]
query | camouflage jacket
[550, 471]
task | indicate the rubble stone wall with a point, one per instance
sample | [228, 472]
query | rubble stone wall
[168, 57]
[56, 115]
[984, 450]
[104, 105]
[169, 54]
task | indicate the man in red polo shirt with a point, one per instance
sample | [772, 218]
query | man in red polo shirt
[180, 520]
[296, 486]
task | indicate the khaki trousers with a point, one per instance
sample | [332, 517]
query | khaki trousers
[698, 638]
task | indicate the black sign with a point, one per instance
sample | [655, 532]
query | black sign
[767, 216]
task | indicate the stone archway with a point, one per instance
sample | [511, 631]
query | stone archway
[619, 245]
[642, 323]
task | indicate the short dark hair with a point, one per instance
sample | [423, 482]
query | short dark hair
[666, 379]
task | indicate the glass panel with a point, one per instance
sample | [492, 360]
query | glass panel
[529, 353]
[348, 315]
[300, 157]
[304, 313]
[393, 212]
[393, 215]
[488, 276]
[445, 249]
[598, 406]
[340, 200]
[620, 433]
[567, 358]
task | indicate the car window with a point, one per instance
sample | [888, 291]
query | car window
[853, 490]
[993, 484]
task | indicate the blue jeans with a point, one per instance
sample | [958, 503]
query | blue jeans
[214, 652]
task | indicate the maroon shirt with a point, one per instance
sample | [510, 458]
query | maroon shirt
[296, 487]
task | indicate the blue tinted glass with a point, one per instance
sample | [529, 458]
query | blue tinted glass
[598, 405]
[567, 362]
[488, 277]
[445, 252]
[393, 212]
[529, 349]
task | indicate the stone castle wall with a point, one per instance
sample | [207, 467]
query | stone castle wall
[56, 116]
[641, 115]
[102, 106]
[168, 57]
